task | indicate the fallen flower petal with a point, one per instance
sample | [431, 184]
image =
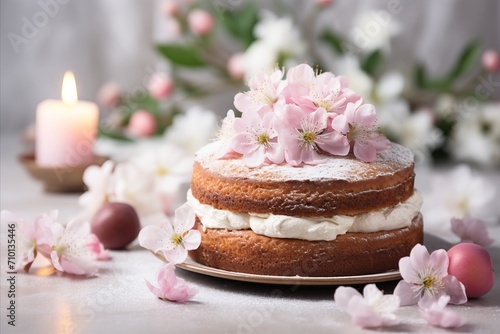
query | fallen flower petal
[373, 309]
[170, 287]
[438, 315]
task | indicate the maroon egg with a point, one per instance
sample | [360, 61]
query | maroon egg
[116, 225]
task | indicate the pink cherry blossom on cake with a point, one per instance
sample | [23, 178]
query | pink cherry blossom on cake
[66, 247]
[425, 279]
[302, 134]
[471, 230]
[160, 86]
[359, 124]
[172, 240]
[256, 139]
[200, 22]
[265, 92]
[310, 90]
[142, 124]
[170, 287]
[491, 60]
[96, 248]
[372, 309]
[236, 66]
[225, 135]
[437, 314]
[109, 95]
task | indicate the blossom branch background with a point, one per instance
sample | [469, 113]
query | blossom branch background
[215, 47]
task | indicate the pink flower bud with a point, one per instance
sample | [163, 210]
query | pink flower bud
[200, 22]
[236, 66]
[160, 86]
[142, 124]
[109, 95]
[491, 61]
[324, 3]
[170, 8]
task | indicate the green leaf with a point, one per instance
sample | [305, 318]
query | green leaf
[420, 76]
[240, 23]
[182, 55]
[423, 82]
[334, 41]
[103, 132]
[468, 58]
[372, 62]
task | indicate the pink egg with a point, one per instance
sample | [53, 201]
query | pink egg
[471, 264]
[142, 124]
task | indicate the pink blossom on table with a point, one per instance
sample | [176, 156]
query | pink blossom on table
[491, 60]
[96, 248]
[256, 139]
[170, 287]
[100, 183]
[471, 230]
[172, 240]
[200, 22]
[359, 124]
[225, 135]
[264, 94]
[160, 86]
[372, 309]
[425, 279]
[30, 234]
[302, 134]
[66, 248]
[437, 314]
[109, 95]
[236, 66]
[142, 124]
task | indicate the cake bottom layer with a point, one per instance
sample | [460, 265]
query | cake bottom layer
[350, 254]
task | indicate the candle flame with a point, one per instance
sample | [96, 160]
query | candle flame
[69, 94]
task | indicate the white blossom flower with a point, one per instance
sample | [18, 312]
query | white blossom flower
[476, 136]
[168, 164]
[373, 30]
[459, 193]
[100, 184]
[191, 130]
[277, 38]
[137, 188]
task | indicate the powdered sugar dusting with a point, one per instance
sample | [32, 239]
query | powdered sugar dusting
[350, 169]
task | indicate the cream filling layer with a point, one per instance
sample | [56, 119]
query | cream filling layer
[309, 228]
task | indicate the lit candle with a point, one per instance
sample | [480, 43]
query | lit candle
[66, 130]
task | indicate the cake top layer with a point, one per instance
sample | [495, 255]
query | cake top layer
[342, 168]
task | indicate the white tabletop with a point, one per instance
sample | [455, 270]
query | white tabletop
[117, 300]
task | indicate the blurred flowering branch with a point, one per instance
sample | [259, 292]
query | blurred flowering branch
[216, 46]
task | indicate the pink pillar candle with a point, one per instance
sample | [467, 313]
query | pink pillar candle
[66, 130]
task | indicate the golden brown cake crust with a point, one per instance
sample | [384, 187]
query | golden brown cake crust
[350, 254]
[340, 186]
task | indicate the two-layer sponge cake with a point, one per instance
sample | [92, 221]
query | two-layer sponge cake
[303, 183]
[342, 217]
